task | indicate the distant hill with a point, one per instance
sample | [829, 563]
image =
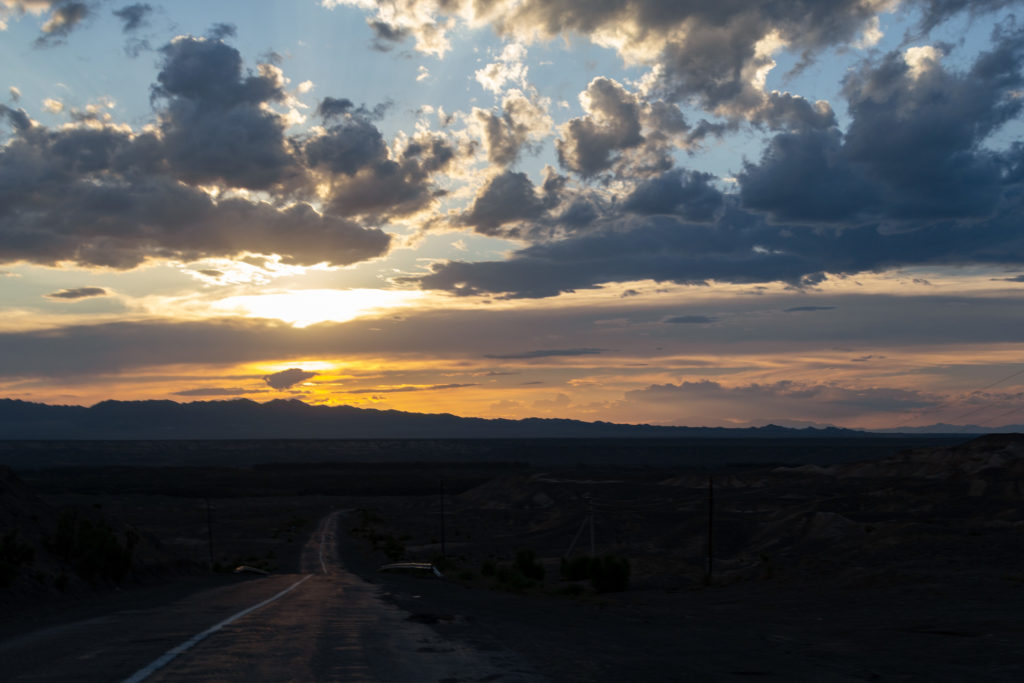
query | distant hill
[293, 419]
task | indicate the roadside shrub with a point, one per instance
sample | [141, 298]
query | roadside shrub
[576, 568]
[488, 567]
[511, 579]
[609, 574]
[92, 549]
[393, 548]
[528, 566]
[571, 590]
[13, 554]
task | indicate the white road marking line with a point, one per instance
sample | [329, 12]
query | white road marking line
[147, 671]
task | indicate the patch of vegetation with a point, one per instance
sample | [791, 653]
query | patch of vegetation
[509, 578]
[527, 565]
[607, 574]
[13, 555]
[576, 568]
[92, 549]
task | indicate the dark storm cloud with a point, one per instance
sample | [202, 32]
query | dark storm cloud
[100, 195]
[910, 182]
[506, 198]
[679, 191]
[691, 320]
[77, 293]
[134, 16]
[213, 121]
[912, 150]
[386, 187]
[331, 107]
[286, 379]
[347, 147]
[589, 143]
[17, 118]
[738, 247]
[366, 179]
[544, 353]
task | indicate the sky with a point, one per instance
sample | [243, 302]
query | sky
[729, 213]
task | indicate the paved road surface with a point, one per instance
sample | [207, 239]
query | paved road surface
[324, 623]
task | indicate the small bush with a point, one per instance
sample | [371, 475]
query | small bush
[92, 549]
[511, 579]
[528, 566]
[609, 574]
[13, 554]
[576, 568]
[393, 548]
[571, 590]
[488, 567]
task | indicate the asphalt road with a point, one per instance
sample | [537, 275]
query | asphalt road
[323, 623]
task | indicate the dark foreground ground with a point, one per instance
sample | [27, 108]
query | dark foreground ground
[906, 569]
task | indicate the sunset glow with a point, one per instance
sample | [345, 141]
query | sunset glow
[671, 213]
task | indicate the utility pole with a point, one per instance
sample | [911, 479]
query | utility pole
[711, 517]
[443, 555]
[209, 531]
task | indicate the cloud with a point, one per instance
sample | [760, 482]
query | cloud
[365, 178]
[589, 144]
[285, 379]
[545, 353]
[508, 197]
[688, 194]
[78, 293]
[691, 320]
[523, 120]
[795, 400]
[408, 388]
[134, 16]
[218, 391]
[508, 68]
[913, 150]
[910, 182]
[903, 323]
[99, 194]
[716, 55]
[386, 36]
[215, 122]
[796, 309]
[62, 18]
[556, 402]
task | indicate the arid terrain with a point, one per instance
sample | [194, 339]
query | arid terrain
[905, 568]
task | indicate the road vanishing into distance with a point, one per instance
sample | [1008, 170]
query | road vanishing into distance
[322, 624]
